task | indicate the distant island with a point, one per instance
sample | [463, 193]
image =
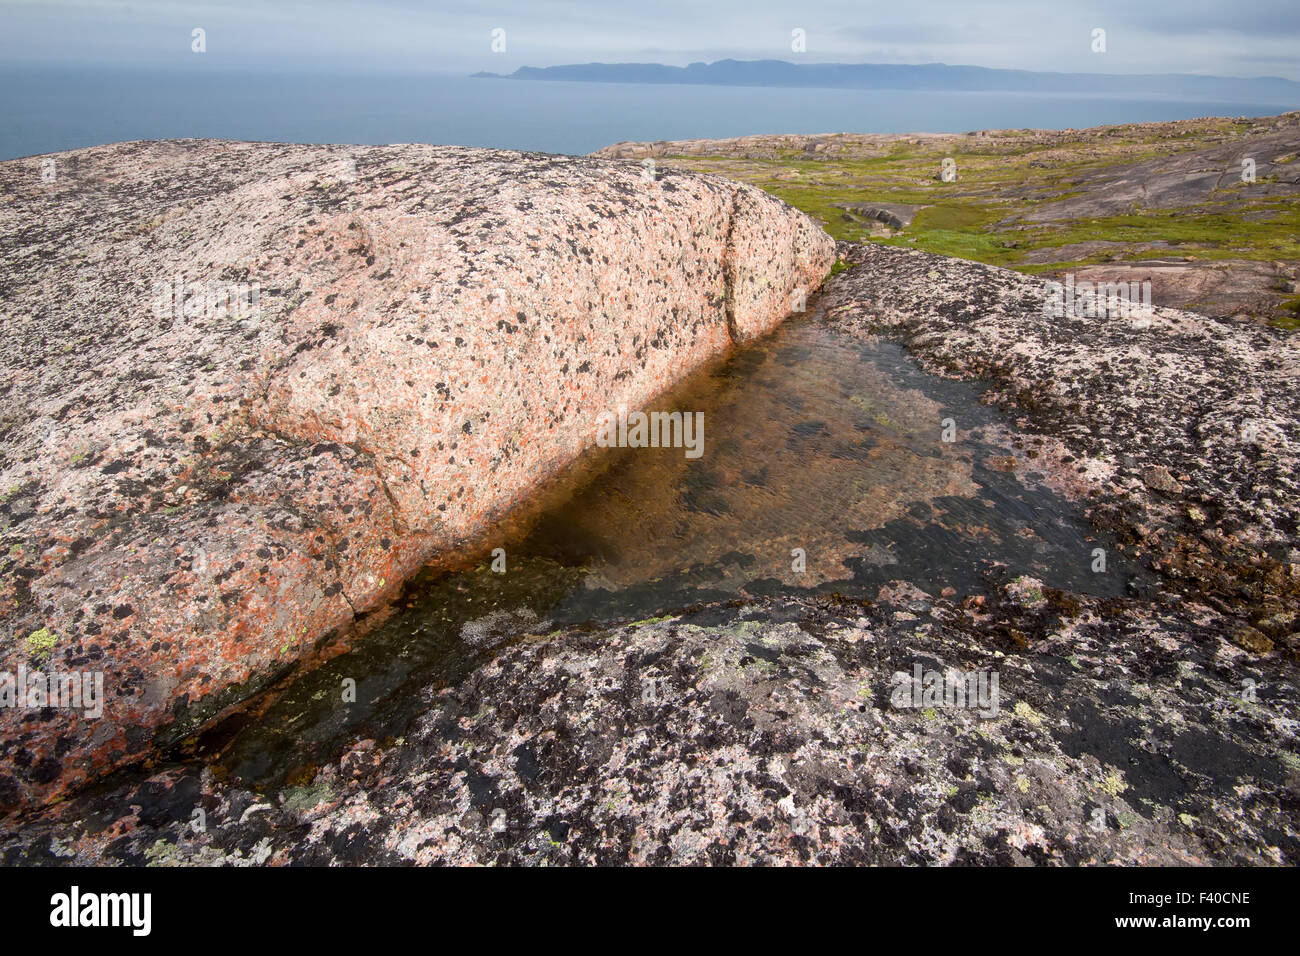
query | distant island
[924, 76]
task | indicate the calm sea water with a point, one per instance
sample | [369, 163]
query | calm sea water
[44, 110]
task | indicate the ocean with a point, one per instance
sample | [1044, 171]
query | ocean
[44, 110]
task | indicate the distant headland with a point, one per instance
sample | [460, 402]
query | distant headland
[922, 76]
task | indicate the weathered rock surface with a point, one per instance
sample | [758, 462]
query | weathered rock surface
[893, 215]
[197, 488]
[770, 735]
[1155, 731]
[1180, 430]
[1237, 288]
[1185, 179]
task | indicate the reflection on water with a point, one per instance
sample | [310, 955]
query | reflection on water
[816, 444]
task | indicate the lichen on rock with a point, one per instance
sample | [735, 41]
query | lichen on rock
[250, 388]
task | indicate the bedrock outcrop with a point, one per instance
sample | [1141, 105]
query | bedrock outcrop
[1179, 431]
[249, 388]
[1143, 729]
[775, 734]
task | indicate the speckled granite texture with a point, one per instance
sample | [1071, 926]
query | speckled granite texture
[771, 737]
[193, 497]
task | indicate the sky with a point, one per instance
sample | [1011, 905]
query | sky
[1242, 38]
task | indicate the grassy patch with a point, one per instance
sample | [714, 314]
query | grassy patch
[1004, 178]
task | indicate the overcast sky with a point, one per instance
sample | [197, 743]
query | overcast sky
[1238, 38]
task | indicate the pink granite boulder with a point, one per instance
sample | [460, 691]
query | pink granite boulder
[249, 389]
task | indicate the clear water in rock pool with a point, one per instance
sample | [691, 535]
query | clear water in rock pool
[812, 440]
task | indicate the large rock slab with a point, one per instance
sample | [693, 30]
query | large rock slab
[772, 734]
[249, 388]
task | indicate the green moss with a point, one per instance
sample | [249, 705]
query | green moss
[40, 644]
[650, 620]
[162, 853]
[1114, 784]
[963, 245]
[1217, 235]
[954, 218]
[304, 798]
[1027, 713]
[1288, 321]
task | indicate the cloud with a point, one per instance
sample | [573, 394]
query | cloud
[1192, 36]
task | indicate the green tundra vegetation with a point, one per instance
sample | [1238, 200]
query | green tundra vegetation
[1045, 201]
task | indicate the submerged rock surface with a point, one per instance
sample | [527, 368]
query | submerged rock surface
[250, 388]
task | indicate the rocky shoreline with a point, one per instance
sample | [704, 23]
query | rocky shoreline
[1152, 730]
